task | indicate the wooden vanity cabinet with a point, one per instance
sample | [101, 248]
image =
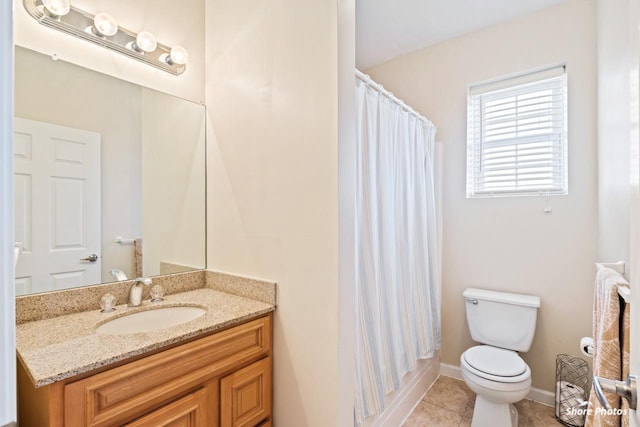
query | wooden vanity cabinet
[221, 380]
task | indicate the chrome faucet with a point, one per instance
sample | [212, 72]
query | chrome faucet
[118, 275]
[135, 292]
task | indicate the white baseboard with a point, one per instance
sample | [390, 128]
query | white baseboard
[542, 396]
[452, 371]
[536, 394]
[400, 405]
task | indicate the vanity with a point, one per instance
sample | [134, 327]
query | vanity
[214, 370]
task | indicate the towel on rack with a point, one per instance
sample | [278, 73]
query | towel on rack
[137, 244]
[608, 323]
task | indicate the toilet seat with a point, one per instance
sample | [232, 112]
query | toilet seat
[495, 364]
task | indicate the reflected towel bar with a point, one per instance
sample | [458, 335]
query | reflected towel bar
[123, 241]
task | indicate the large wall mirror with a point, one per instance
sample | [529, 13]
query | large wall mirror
[109, 178]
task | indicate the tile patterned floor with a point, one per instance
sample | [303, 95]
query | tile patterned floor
[449, 403]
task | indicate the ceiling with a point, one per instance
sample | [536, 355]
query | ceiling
[389, 28]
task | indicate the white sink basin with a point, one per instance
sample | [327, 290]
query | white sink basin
[150, 320]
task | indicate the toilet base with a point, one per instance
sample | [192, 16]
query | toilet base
[490, 414]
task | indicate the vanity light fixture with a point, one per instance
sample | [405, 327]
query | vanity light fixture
[104, 25]
[178, 56]
[56, 8]
[102, 29]
[145, 42]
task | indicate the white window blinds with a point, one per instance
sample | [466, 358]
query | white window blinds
[517, 135]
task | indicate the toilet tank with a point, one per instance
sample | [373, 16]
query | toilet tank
[501, 319]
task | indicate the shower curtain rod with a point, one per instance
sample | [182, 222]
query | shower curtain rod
[368, 81]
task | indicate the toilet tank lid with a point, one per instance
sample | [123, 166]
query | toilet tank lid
[505, 297]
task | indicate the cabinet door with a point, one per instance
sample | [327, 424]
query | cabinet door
[245, 395]
[189, 411]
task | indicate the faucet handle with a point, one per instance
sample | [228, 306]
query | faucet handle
[144, 280]
[107, 303]
[157, 293]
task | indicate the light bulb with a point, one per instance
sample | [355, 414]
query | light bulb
[57, 7]
[105, 25]
[178, 56]
[145, 42]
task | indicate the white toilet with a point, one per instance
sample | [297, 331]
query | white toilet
[505, 323]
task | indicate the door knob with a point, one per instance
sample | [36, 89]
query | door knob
[627, 389]
[90, 258]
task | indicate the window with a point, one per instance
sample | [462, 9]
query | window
[517, 135]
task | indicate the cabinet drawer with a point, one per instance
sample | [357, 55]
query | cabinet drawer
[190, 411]
[121, 394]
[245, 395]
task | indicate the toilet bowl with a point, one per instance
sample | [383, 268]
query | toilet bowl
[497, 382]
[505, 323]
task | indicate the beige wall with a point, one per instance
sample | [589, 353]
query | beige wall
[172, 22]
[509, 244]
[272, 97]
[614, 129]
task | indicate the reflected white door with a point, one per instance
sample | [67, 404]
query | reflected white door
[57, 206]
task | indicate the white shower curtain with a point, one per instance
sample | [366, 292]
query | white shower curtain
[398, 262]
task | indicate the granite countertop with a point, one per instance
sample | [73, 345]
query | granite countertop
[62, 347]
